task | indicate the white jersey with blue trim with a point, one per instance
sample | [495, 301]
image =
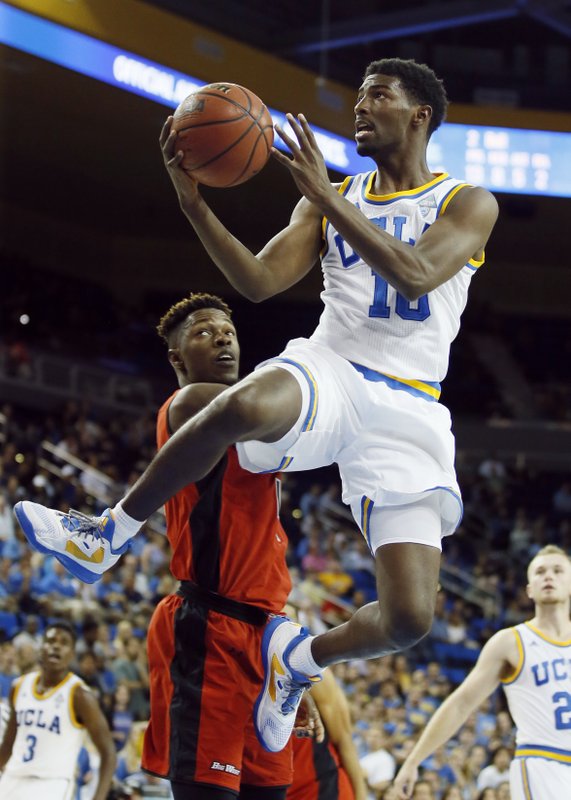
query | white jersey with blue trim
[539, 696]
[48, 737]
[365, 319]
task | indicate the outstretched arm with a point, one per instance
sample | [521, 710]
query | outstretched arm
[497, 659]
[87, 711]
[439, 253]
[281, 263]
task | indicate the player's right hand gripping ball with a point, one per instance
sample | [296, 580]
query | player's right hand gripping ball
[225, 132]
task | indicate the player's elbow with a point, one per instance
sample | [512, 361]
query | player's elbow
[417, 281]
[258, 294]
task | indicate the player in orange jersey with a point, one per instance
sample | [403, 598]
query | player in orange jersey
[228, 552]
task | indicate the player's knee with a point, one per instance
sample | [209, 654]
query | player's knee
[407, 623]
[238, 411]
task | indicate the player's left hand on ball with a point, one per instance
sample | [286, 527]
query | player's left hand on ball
[186, 186]
[308, 722]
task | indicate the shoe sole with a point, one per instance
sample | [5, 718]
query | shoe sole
[268, 633]
[72, 566]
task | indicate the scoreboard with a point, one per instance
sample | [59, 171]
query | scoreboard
[512, 160]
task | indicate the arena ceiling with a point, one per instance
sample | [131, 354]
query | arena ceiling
[515, 49]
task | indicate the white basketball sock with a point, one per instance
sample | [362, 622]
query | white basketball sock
[125, 526]
[301, 659]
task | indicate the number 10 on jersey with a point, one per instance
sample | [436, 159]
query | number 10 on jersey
[382, 310]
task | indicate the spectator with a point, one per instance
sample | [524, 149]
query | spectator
[378, 765]
[132, 671]
[129, 758]
[30, 634]
[423, 791]
[121, 718]
[498, 771]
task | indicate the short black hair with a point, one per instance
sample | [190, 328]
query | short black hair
[63, 625]
[178, 312]
[419, 82]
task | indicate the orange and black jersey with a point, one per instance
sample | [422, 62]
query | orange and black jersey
[317, 772]
[225, 534]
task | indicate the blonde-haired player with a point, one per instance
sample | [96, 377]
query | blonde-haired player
[532, 661]
[51, 709]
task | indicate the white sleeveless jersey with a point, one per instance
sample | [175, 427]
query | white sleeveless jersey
[539, 696]
[365, 320]
[49, 737]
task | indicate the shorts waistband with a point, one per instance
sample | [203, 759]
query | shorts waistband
[224, 605]
[426, 389]
[541, 751]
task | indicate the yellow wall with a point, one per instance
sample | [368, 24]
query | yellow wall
[209, 56]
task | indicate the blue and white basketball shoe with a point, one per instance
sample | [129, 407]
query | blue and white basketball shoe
[275, 709]
[81, 543]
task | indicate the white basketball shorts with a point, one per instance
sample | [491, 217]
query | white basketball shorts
[539, 779]
[394, 449]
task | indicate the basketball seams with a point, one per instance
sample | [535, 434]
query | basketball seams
[230, 146]
[253, 120]
[253, 150]
[227, 99]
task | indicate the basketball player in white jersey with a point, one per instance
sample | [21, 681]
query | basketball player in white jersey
[532, 662]
[51, 711]
[399, 246]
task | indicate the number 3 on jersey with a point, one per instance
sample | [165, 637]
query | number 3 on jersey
[381, 309]
[31, 742]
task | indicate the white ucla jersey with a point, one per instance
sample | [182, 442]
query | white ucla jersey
[539, 696]
[365, 319]
[48, 737]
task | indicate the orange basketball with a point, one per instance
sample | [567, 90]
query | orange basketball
[225, 132]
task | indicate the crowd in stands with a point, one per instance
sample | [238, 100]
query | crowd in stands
[52, 321]
[508, 510]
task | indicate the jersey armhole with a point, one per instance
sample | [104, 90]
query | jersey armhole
[74, 720]
[342, 189]
[473, 264]
[520, 660]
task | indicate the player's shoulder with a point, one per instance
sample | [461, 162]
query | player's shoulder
[505, 643]
[470, 197]
[189, 400]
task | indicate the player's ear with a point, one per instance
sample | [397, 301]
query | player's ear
[528, 591]
[423, 115]
[175, 359]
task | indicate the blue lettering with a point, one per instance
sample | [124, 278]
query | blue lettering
[562, 701]
[34, 716]
[540, 681]
[346, 260]
[398, 223]
[380, 308]
[563, 675]
[546, 671]
[380, 222]
[54, 727]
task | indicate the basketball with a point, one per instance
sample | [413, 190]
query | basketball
[225, 132]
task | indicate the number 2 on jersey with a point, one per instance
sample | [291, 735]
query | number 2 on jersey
[381, 309]
[562, 711]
